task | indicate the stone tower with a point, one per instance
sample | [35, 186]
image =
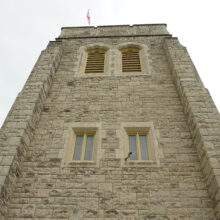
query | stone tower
[113, 123]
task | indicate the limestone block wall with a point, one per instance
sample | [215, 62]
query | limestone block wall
[202, 115]
[173, 188]
[18, 129]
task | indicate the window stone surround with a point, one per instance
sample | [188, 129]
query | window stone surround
[69, 137]
[152, 139]
[82, 59]
[113, 64]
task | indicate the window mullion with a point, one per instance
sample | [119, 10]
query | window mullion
[83, 146]
[93, 148]
[138, 147]
[149, 147]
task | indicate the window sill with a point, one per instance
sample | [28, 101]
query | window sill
[80, 164]
[104, 75]
[140, 163]
[132, 73]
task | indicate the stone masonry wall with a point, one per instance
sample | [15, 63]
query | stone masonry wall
[18, 129]
[175, 189]
[35, 184]
[117, 30]
[202, 116]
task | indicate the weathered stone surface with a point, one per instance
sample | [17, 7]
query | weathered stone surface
[199, 108]
[18, 128]
[37, 184]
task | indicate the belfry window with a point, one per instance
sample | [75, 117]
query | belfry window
[131, 60]
[95, 61]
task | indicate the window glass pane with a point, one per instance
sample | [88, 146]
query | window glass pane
[78, 148]
[143, 145]
[88, 150]
[132, 147]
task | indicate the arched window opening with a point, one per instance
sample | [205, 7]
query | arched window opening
[95, 61]
[131, 60]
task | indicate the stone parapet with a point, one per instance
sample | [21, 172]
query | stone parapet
[18, 129]
[116, 30]
[202, 115]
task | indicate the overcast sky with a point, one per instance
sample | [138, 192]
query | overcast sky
[28, 25]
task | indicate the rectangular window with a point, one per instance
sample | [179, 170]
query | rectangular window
[138, 146]
[83, 147]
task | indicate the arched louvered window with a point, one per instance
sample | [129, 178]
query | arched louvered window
[95, 61]
[131, 60]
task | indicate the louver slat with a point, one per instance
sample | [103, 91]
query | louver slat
[95, 61]
[131, 60]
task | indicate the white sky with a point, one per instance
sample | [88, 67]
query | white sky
[26, 27]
